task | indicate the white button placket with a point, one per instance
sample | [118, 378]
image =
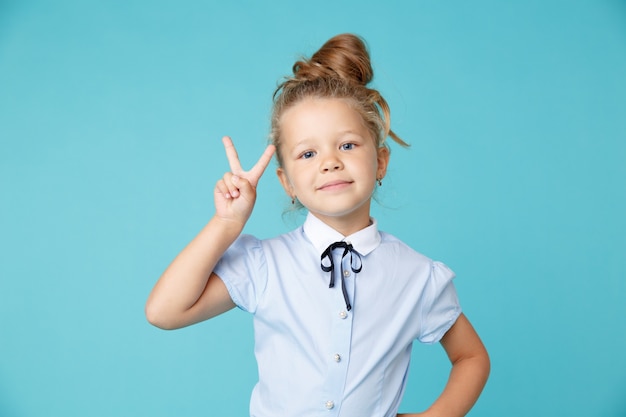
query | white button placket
[339, 356]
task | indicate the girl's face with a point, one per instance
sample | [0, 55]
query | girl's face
[330, 162]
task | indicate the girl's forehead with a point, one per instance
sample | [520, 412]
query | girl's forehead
[320, 114]
[312, 103]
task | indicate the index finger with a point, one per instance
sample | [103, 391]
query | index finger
[231, 154]
[258, 168]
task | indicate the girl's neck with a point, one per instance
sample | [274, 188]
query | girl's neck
[346, 225]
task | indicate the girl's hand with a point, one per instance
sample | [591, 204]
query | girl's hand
[235, 193]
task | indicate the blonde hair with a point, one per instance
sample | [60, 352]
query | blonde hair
[341, 69]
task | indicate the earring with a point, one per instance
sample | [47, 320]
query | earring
[293, 201]
[379, 181]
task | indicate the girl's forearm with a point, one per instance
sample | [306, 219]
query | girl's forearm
[186, 278]
[470, 370]
[467, 379]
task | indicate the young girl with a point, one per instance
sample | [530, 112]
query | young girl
[336, 303]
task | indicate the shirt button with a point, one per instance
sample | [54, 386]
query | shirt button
[337, 357]
[343, 315]
[330, 405]
[346, 273]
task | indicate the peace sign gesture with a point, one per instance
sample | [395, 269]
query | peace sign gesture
[235, 193]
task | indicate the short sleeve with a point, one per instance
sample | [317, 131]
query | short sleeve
[243, 269]
[440, 304]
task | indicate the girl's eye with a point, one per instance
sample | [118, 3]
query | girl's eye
[307, 155]
[347, 146]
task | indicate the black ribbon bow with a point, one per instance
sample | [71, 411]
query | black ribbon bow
[328, 253]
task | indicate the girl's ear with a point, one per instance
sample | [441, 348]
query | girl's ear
[383, 160]
[284, 181]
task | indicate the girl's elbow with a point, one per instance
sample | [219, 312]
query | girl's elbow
[483, 363]
[486, 364]
[158, 318]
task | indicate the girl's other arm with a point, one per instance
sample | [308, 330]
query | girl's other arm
[189, 291]
[470, 369]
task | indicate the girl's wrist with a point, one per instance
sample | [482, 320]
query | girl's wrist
[228, 226]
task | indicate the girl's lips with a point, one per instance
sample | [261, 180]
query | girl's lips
[334, 185]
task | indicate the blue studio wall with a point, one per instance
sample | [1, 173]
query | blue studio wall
[111, 115]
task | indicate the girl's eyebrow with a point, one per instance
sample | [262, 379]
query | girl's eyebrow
[303, 142]
[350, 132]
[340, 134]
[309, 141]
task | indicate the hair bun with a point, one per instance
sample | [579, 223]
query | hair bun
[343, 56]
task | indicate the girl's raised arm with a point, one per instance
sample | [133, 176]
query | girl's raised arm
[189, 291]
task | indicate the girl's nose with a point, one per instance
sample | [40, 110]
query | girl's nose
[331, 163]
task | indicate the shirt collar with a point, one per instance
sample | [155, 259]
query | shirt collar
[322, 235]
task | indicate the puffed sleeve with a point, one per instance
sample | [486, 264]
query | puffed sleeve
[243, 269]
[440, 304]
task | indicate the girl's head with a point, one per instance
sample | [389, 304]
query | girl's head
[340, 69]
[329, 130]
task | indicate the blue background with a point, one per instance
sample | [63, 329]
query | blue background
[111, 115]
